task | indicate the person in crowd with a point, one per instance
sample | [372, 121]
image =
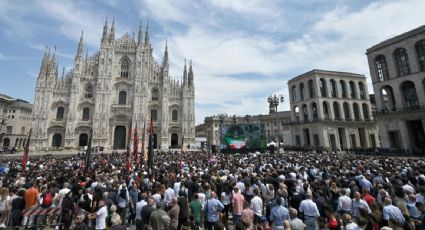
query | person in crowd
[392, 215]
[279, 214]
[213, 208]
[147, 211]
[309, 211]
[196, 210]
[157, 220]
[67, 209]
[100, 215]
[116, 223]
[173, 213]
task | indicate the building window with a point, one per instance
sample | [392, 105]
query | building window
[23, 130]
[125, 67]
[402, 62]
[9, 129]
[381, 68]
[409, 93]
[14, 111]
[356, 111]
[302, 91]
[174, 115]
[323, 86]
[333, 88]
[420, 50]
[346, 111]
[353, 90]
[89, 92]
[154, 115]
[122, 98]
[336, 111]
[362, 91]
[59, 113]
[311, 88]
[365, 109]
[294, 93]
[343, 88]
[314, 109]
[155, 95]
[86, 114]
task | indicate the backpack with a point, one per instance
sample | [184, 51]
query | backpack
[47, 200]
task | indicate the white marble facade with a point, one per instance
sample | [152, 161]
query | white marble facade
[111, 91]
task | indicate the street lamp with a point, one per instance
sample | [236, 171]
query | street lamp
[273, 101]
[221, 118]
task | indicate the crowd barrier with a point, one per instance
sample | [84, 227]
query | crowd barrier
[39, 218]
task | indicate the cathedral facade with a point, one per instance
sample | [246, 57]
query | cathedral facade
[107, 94]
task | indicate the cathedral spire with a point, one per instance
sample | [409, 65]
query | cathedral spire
[147, 42]
[112, 34]
[184, 73]
[105, 30]
[80, 47]
[165, 63]
[190, 77]
[139, 39]
[53, 60]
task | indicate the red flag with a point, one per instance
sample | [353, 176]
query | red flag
[143, 142]
[128, 152]
[136, 147]
[27, 149]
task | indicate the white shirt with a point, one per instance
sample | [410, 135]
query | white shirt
[176, 187]
[156, 197]
[139, 206]
[344, 203]
[241, 186]
[356, 205]
[100, 218]
[309, 208]
[257, 205]
[168, 196]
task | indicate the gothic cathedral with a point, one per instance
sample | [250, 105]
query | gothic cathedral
[110, 93]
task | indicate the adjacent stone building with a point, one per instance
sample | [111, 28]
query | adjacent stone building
[5, 102]
[116, 89]
[276, 125]
[397, 69]
[332, 110]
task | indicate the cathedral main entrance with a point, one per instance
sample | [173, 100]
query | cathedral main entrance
[174, 140]
[57, 140]
[119, 137]
[83, 140]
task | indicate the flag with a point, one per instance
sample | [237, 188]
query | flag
[145, 157]
[88, 153]
[181, 153]
[27, 149]
[128, 166]
[136, 147]
[150, 148]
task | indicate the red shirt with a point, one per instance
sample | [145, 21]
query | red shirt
[368, 198]
[333, 224]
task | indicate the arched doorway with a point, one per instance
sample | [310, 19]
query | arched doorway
[83, 140]
[119, 137]
[57, 140]
[6, 142]
[174, 140]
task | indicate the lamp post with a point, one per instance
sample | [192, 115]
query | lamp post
[273, 101]
[221, 118]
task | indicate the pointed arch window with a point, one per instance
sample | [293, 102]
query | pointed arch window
[155, 94]
[174, 115]
[60, 111]
[125, 67]
[88, 92]
[154, 115]
[86, 114]
[122, 98]
[402, 62]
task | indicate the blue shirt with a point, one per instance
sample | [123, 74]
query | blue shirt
[213, 208]
[279, 214]
[392, 212]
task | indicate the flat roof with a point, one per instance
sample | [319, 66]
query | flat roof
[396, 39]
[327, 72]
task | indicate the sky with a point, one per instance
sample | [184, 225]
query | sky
[242, 50]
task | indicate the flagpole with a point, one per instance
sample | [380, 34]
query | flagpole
[88, 152]
[27, 148]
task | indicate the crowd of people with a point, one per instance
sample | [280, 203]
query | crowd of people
[195, 190]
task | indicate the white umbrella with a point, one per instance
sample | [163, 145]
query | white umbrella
[271, 143]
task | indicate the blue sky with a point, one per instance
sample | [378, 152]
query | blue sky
[242, 50]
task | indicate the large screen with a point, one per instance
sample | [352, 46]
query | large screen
[248, 137]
